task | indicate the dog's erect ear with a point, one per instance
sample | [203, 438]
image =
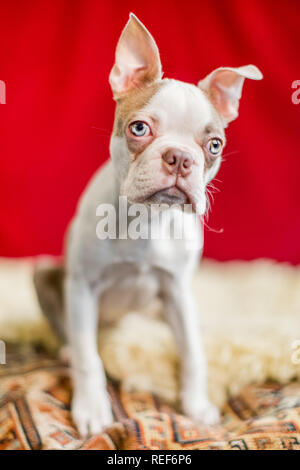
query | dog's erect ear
[224, 87]
[137, 59]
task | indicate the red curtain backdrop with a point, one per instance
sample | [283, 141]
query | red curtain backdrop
[55, 57]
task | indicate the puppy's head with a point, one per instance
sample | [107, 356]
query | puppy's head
[168, 135]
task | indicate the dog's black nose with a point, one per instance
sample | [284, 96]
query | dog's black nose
[178, 161]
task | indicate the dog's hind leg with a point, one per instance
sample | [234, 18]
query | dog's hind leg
[48, 279]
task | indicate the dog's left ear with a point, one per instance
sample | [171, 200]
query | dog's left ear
[224, 87]
[137, 59]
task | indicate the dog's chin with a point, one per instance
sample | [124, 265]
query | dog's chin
[168, 196]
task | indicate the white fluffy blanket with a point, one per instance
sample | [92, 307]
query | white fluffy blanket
[250, 315]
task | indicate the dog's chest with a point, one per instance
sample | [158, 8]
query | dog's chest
[130, 287]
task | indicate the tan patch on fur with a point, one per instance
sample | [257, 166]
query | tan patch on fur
[217, 115]
[133, 101]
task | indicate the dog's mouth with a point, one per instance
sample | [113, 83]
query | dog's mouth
[171, 195]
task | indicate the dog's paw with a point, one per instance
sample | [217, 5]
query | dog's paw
[91, 414]
[202, 412]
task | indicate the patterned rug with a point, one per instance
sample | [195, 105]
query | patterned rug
[35, 414]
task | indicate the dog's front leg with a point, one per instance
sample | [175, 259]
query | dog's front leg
[183, 317]
[91, 408]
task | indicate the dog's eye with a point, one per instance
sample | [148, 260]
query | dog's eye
[215, 146]
[139, 129]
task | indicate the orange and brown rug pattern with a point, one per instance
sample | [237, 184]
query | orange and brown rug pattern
[35, 414]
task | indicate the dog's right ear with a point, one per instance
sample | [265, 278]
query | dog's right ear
[137, 62]
[224, 87]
